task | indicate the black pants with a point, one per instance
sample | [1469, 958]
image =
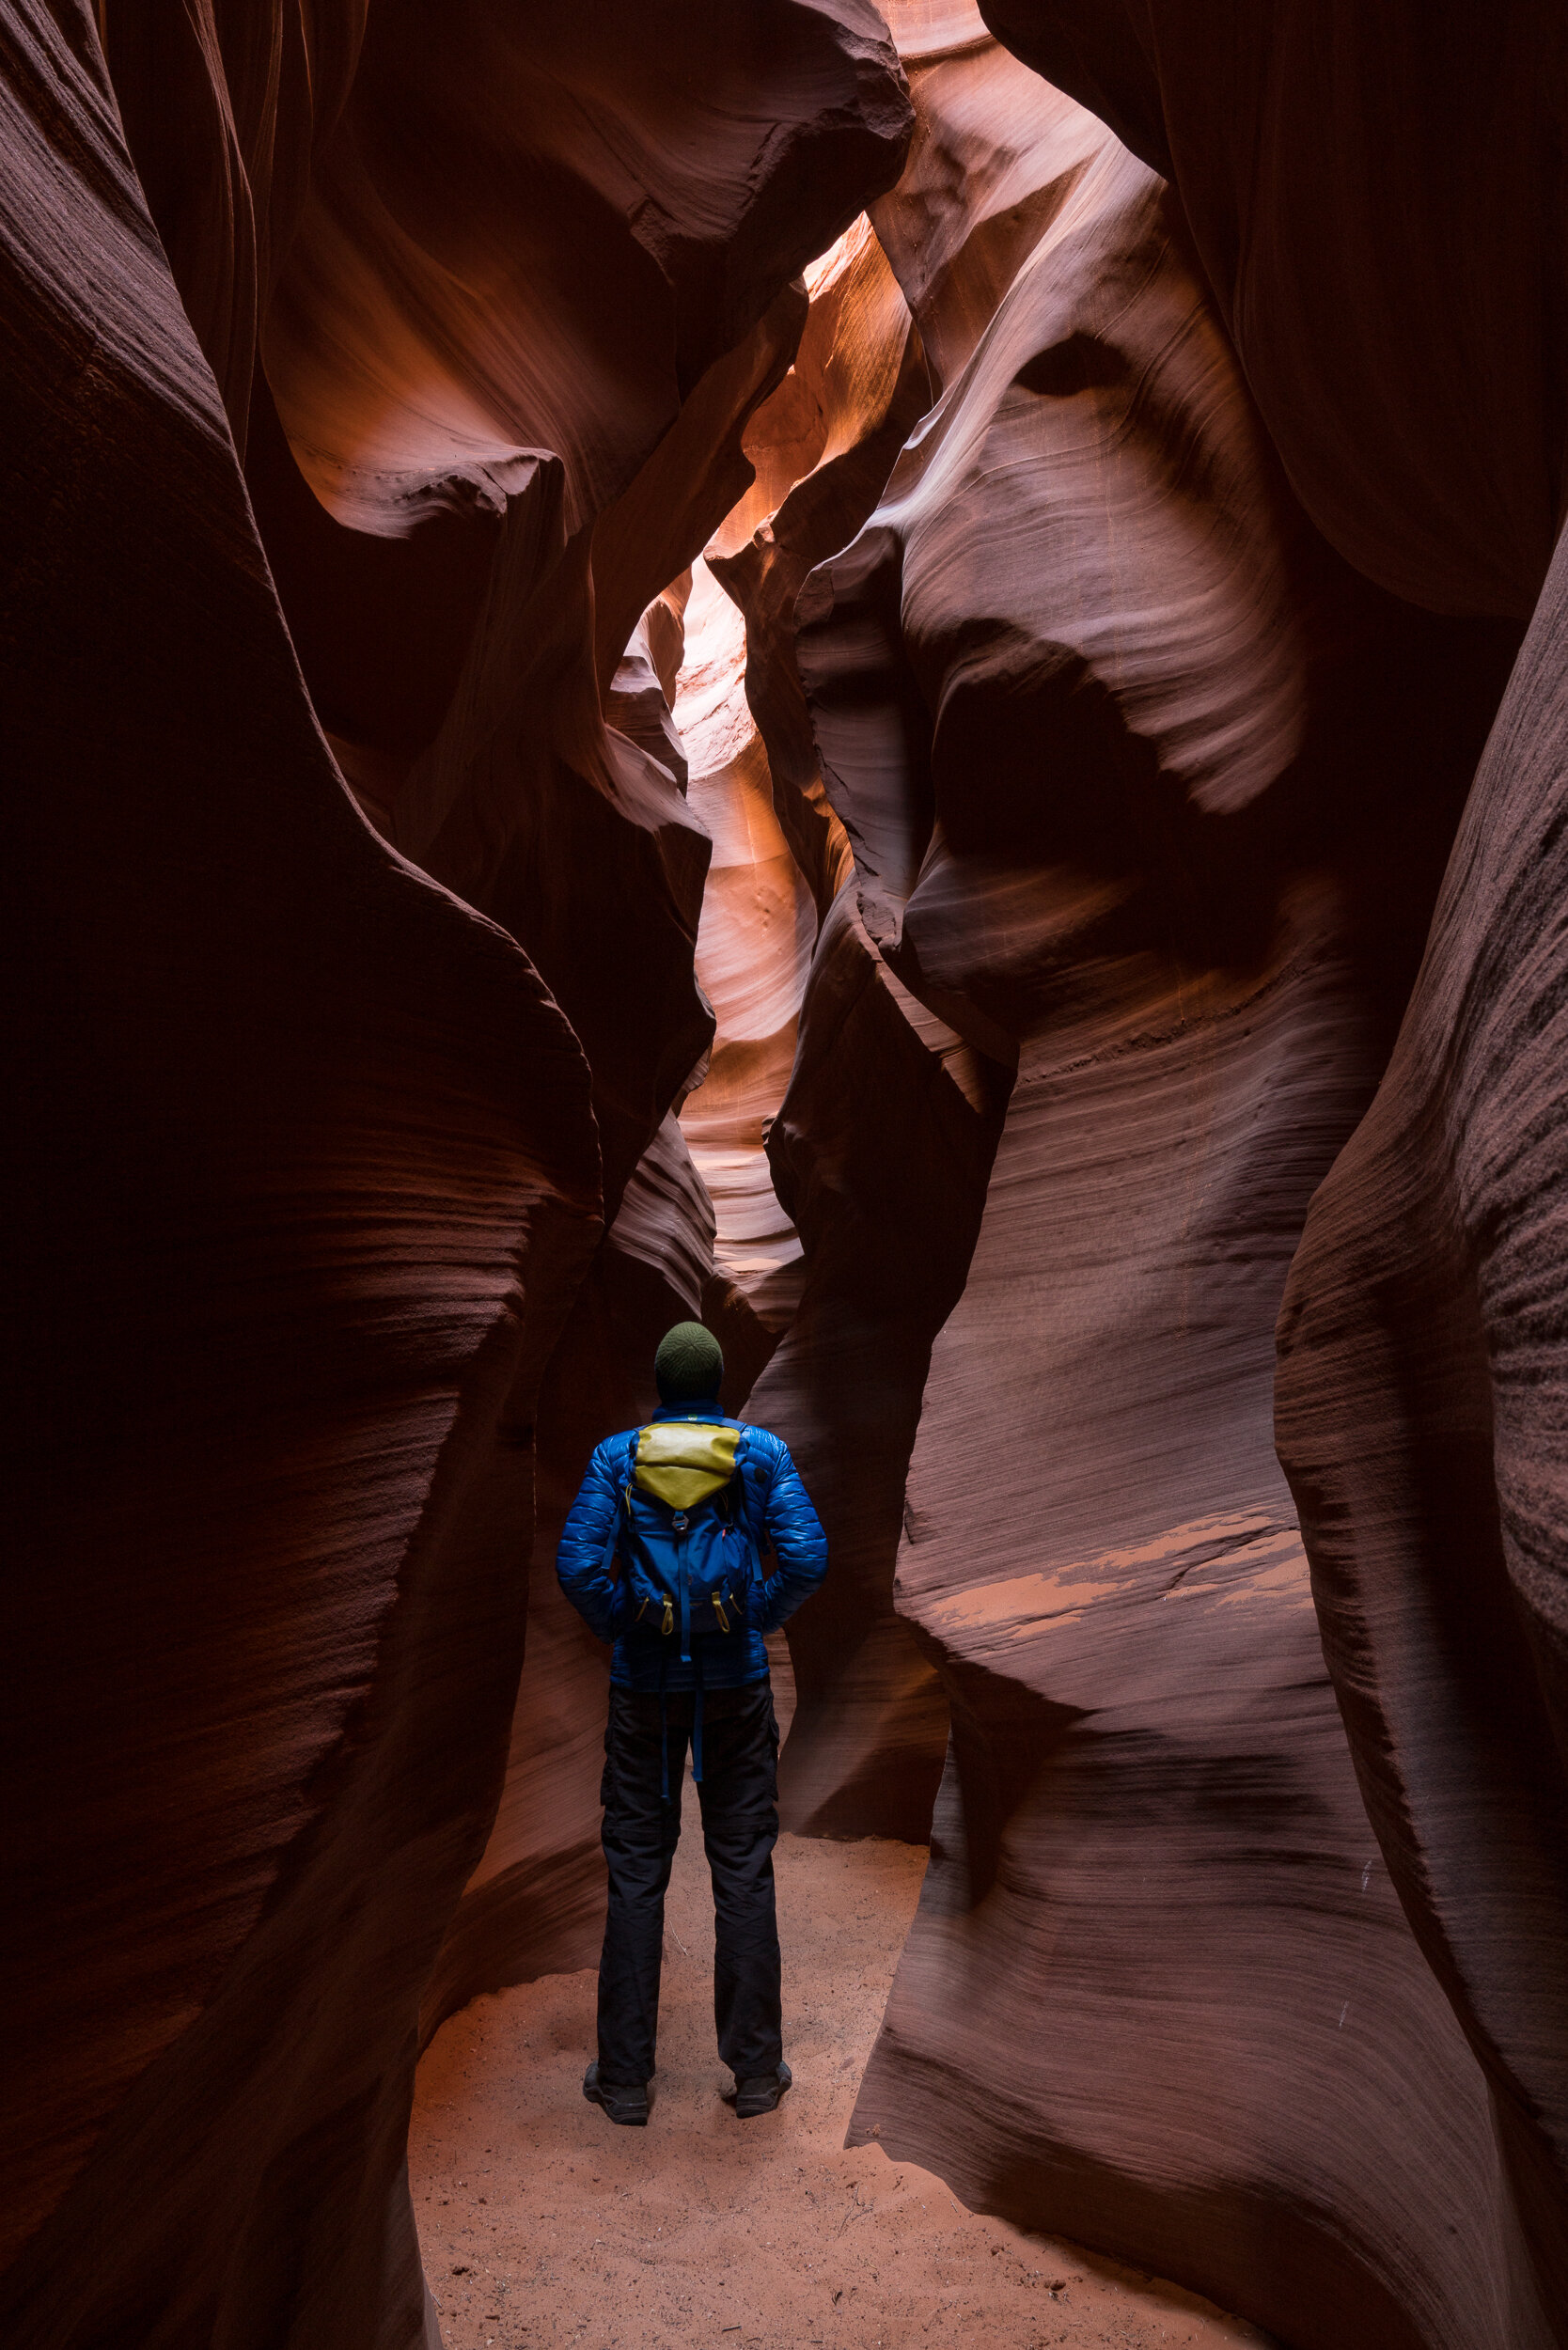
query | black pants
[739, 1795]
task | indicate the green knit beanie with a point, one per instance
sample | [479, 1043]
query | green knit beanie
[688, 1365]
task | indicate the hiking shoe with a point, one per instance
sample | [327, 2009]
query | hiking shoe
[760, 2096]
[622, 2101]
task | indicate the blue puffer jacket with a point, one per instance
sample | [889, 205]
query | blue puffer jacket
[775, 1507]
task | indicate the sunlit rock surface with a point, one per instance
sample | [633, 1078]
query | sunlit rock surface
[588, 842]
[754, 945]
[1120, 747]
[316, 1182]
[877, 1160]
[1391, 267]
[579, 836]
[1377, 198]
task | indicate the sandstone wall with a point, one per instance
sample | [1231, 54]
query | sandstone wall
[319, 1155]
[1135, 770]
[306, 1176]
[914, 671]
[1377, 198]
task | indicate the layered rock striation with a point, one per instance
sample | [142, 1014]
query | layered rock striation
[1377, 199]
[321, 1156]
[877, 1143]
[1131, 764]
[309, 1175]
[913, 644]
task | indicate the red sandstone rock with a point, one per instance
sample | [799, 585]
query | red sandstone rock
[1120, 750]
[543, 229]
[1146, 800]
[1420, 1413]
[344, 1131]
[525, 786]
[1377, 196]
[881, 1157]
[225, 107]
[878, 1158]
[753, 948]
[534, 1904]
[824, 447]
[599, 284]
[520, 259]
[579, 838]
[309, 1175]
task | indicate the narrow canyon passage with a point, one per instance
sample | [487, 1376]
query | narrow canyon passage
[889, 675]
[543, 2227]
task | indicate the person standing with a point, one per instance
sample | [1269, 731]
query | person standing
[662, 1553]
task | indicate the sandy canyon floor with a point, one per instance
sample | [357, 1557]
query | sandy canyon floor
[543, 2224]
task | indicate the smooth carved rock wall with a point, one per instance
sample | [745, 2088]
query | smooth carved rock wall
[525, 784]
[1133, 767]
[510, 345]
[1117, 815]
[824, 447]
[309, 1177]
[1377, 196]
[880, 1155]
[592, 293]
[754, 943]
[477, 808]
[1418, 1419]
[471, 565]
[875, 1153]
[343, 1117]
[227, 106]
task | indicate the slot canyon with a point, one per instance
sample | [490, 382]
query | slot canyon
[894, 676]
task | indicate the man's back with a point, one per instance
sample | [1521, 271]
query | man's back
[766, 1509]
[665, 1552]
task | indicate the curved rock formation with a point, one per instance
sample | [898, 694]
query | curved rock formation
[877, 1156]
[888, 690]
[1377, 196]
[225, 109]
[824, 447]
[1420, 1383]
[318, 1162]
[1393, 275]
[309, 1179]
[755, 942]
[524, 783]
[534, 1904]
[1130, 765]
[555, 303]
[880, 1151]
